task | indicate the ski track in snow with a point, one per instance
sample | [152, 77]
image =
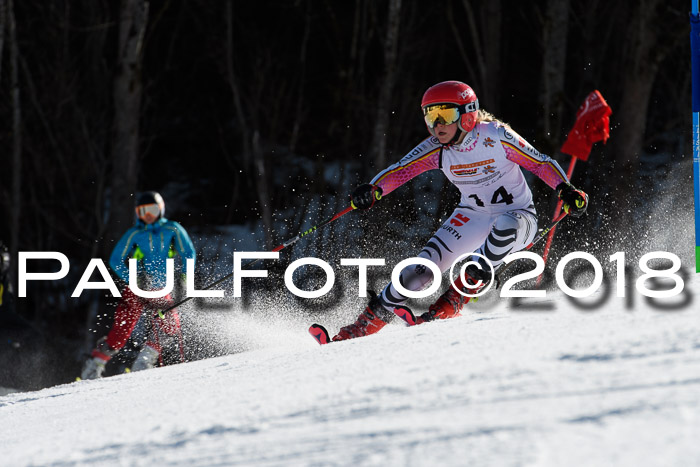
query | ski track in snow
[499, 386]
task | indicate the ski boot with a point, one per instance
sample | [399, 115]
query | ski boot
[95, 365]
[146, 359]
[450, 303]
[369, 321]
[93, 368]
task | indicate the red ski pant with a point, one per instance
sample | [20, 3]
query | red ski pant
[129, 311]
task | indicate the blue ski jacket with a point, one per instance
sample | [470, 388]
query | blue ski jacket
[151, 245]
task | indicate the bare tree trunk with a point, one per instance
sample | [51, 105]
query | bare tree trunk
[354, 76]
[485, 35]
[354, 47]
[492, 20]
[263, 189]
[16, 141]
[554, 37]
[383, 115]
[642, 62]
[249, 133]
[3, 20]
[642, 65]
[235, 87]
[133, 19]
[302, 77]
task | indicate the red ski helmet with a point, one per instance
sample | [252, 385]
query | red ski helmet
[450, 94]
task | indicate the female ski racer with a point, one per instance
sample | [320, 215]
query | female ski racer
[496, 216]
[151, 241]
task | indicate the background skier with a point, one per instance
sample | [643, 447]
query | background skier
[151, 241]
[496, 216]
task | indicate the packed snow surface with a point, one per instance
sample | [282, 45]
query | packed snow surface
[618, 384]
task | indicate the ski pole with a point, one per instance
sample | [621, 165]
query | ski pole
[284, 245]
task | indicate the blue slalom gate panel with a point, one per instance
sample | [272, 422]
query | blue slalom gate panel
[695, 63]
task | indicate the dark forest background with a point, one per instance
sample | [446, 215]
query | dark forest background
[233, 110]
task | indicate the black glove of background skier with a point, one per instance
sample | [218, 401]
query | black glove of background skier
[575, 201]
[158, 304]
[365, 196]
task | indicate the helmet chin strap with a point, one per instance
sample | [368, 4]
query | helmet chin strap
[456, 137]
[460, 133]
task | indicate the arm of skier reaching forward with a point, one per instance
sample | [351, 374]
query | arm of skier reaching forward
[547, 169]
[424, 157]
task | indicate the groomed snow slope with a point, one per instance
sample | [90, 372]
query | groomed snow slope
[504, 386]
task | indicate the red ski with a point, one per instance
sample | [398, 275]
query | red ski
[407, 315]
[320, 334]
[322, 337]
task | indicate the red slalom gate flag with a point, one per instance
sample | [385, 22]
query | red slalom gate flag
[592, 125]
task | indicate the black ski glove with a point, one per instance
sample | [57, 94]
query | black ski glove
[158, 304]
[575, 201]
[365, 196]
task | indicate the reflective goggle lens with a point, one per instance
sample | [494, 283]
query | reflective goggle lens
[441, 113]
[148, 212]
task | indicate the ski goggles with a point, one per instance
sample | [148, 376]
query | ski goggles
[148, 213]
[446, 113]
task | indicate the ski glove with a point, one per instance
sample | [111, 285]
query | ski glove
[575, 201]
[365, 196]
[158, 304]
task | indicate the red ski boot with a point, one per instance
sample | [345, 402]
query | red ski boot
[367, 323]
[450, 304]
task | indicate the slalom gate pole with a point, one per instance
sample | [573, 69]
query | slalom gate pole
[557, 212]
[592, 124]
[503, 267]
[695, 67]
[284, 245]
